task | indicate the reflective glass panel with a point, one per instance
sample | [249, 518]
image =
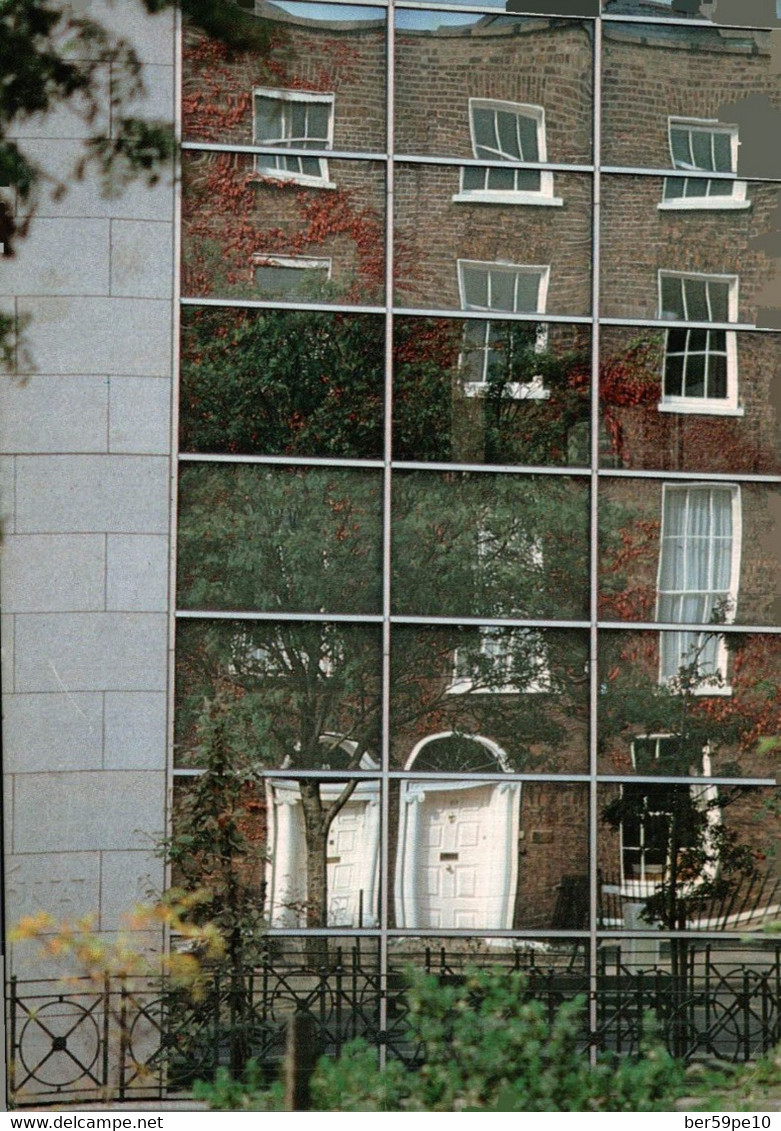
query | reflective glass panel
[289, 694]
[718, 715]
[318, 84]
[493, 699]
[690, 400]
[696, 553]
[457, 250]
[491, 855]
[491, 392]
[489, 545]
[256, 230]
[706, 265]
[694, 99]
[264, 538]
[693, 857]
[323, 852]
[284, 382]
[499, 88]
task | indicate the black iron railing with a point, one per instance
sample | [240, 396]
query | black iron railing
[132, 1038]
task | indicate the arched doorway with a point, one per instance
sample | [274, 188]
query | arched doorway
[457, 856]
[352, 860]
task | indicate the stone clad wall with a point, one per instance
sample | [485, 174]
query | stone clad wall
[85, 435]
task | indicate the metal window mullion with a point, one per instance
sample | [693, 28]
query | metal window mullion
[593, 550]
[385, 885]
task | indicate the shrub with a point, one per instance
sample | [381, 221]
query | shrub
[483, 1046]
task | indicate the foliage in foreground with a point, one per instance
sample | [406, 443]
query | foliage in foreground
[482, 1047]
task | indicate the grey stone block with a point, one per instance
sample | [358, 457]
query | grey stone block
[58, 159]
[55, 414]
[60, 257]
[7, 633]
[156, 101]
[150, 36]
[67, 119]
[98, 335]
[82, 812]
[55, 731]
[127, 879]
[137, 573]
[66, 885]
[140, 415]
[136, 733]
[90, 652]
[141, 259]
[7, 493]
[75, 494]
[53, 572]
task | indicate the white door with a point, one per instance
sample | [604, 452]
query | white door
[349, 887]
[454, 836]
[458, 856]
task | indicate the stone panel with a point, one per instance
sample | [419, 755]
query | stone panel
[60, 257]
[53, 732]
[58, 158]
[127, 879]
[66, 119]
[136, 734]
[53, 572]
[88, 811]
[65, 884]
[98, 335]
[55, 414]
[90, 651]
[137, 572]
[141, 259]
[140, 415]
[7, 492]
[117, 494]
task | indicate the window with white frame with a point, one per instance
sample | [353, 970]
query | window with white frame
[492, 350]
[290, 276]
[504, 660]
[648, 808]
[703, 145]
[293, 119]
[507, 661]
[700, 364]
[699, 568]
[512, 132]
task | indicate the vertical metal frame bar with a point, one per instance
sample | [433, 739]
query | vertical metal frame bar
[593, 527]
[385, 879]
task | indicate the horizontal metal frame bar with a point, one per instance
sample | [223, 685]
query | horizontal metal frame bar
[521, 469]
[270, 304]
[725, 477]
[616, 18]
[499, 777]
[477, 315]
[603, 934]
[383, 157]
[470, 162]
[277, 461]
[376, 618]
[475, 622]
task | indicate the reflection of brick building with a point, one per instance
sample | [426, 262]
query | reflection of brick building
[426, 475]
[475, 229]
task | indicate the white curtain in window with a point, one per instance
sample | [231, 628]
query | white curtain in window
[695, 573]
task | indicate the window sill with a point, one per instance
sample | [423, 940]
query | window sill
[512, 390]
[701, 408]
[481, 197]
[280, 178]
[703, 204]
[467, 687]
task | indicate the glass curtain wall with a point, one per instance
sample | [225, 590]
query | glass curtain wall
[479, 482]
